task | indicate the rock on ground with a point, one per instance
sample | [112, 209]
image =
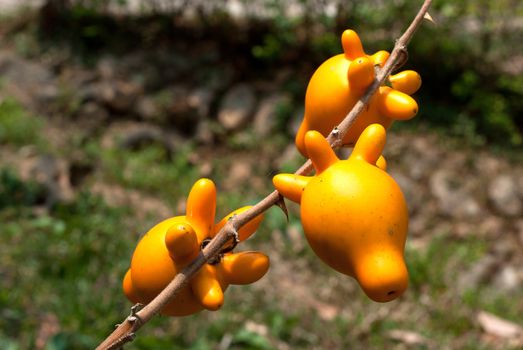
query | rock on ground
[237, 107]
[503, 193]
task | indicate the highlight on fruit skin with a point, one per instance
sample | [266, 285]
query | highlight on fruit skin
[353, 213]
[341, 80]
[173, 243]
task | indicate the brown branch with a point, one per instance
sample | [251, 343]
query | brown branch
[125, 332]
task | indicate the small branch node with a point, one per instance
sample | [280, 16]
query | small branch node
[403, 57]
[235, 236]
[133, 316]
[135, 308]
[235, 241]
[118, 344]
[336, 132]
[335, 135]
[215, 259]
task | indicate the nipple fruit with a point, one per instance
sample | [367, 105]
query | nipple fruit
[353, 213]
[340, 81]
[173, 243]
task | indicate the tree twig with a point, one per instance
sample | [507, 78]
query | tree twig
[126, 331]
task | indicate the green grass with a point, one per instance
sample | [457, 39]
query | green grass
[69, 263]
[431, 267]
[77, 253]
[17, 126]
[151, 169]
[74, 256]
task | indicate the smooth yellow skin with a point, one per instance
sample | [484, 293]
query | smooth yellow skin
[353, 213]
[173, 243]
[339, 82]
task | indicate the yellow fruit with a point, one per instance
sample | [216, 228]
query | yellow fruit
[173, 243]
[353, 213]
[340, 81]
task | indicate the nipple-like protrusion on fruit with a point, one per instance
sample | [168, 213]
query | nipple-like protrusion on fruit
[370, 144]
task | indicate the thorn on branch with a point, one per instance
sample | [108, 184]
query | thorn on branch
[429, 18]
[281, 204]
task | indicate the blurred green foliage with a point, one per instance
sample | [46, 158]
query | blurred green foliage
[62, 268]
[476, 87]
[63, 256]
[15, 193]
[151, 169]
[468, 60]
[423, 269]
[17, 126]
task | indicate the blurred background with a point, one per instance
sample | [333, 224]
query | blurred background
[110, 110]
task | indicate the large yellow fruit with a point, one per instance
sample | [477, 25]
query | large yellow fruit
[353, 213]
[173, 243]
[340, 81]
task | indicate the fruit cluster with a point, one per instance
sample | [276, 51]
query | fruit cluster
[340, 81]
[353, 213]
[173, 243]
